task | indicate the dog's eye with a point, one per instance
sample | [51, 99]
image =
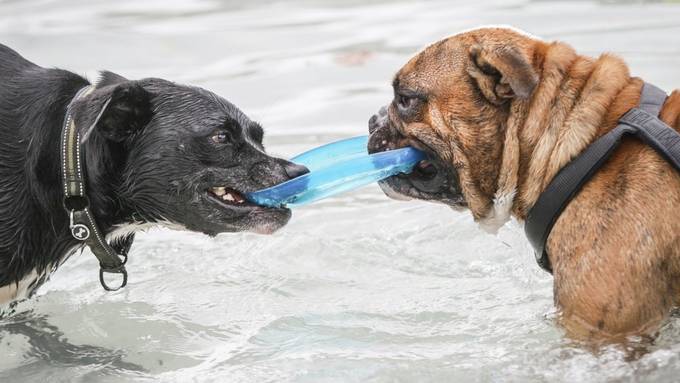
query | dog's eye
[219, 137]
[407, 102]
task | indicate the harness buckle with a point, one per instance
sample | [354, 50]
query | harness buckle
[113, 270]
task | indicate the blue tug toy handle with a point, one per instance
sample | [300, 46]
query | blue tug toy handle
[335, 168]
[322, 156]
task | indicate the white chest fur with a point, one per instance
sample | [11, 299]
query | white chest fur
[23, 289]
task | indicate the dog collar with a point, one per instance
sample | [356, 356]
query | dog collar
[641, 122]
[82, 224]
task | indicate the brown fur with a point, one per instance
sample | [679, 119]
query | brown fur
[509, 111]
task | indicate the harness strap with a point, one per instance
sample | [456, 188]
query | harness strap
[643, 123]
[82, 224]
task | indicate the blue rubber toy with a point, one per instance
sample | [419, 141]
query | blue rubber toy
[335, 168]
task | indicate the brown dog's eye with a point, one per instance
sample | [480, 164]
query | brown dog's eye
[219, 137]
[406, 102]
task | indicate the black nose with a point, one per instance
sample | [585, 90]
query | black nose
[377, 120]
[295, 170]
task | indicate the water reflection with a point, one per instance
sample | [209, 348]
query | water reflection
[42, 347]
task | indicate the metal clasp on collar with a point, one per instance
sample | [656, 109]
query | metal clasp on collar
[78, 230]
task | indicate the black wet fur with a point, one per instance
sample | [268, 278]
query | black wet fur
[150, 158]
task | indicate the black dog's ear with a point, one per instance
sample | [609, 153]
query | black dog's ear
[502, 73]
[110, 78]
[115, 111]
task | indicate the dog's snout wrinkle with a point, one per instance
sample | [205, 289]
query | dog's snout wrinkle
[382, 136]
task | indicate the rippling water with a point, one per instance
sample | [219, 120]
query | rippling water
[356, 288]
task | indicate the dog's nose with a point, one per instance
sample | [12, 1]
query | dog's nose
[295, 170]
[378, 120]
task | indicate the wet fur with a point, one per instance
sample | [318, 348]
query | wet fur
[149, 160]
[508, 111]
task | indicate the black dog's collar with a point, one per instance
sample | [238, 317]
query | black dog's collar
[641, 122]
[81, 220]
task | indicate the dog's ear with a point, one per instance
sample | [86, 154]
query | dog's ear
[116, 109]
[110, 78]
[502, 73]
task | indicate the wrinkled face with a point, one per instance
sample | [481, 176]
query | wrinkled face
[190, 156]
[452, 101]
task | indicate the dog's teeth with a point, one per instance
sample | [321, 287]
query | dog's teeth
[219, 191]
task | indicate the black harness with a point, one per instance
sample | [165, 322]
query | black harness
[641, 122]
[81, 220]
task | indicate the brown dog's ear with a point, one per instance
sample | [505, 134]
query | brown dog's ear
[502, 73]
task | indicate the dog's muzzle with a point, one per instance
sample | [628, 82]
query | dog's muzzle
[431, 179]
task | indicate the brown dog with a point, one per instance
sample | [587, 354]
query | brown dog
[499, 113]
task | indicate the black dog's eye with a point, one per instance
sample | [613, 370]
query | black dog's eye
[219, 137]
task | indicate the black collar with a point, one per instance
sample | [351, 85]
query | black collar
[641, 122]
[82, 224]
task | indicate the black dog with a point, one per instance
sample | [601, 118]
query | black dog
[154, 152]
